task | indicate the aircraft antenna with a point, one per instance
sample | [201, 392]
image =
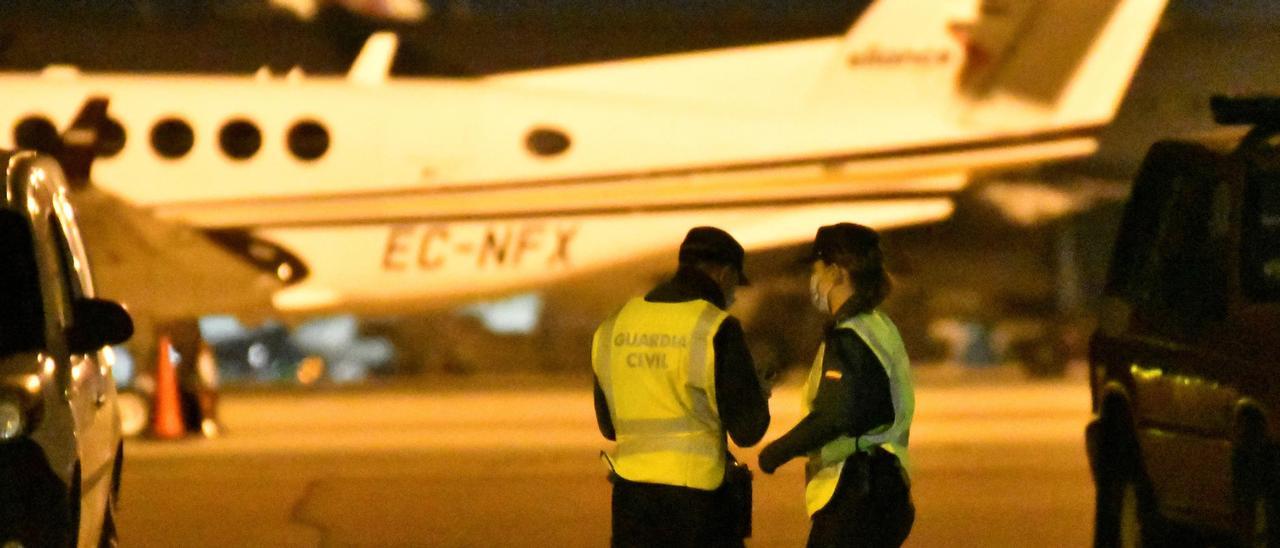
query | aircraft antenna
[373, 64]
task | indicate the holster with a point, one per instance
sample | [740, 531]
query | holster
[735, 497]
[877, 478]
[887, 480]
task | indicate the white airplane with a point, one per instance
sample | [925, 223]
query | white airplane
[375, 193]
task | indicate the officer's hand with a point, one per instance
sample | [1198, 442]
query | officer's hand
[770, 459]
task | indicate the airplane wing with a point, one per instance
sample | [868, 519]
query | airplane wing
[165, 269]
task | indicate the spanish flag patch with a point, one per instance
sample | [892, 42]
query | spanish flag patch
[833, 374]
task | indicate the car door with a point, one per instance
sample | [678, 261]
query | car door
[1184, 385]
[90, 381]
[1257, 307]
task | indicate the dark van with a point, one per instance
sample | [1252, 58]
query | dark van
[1185, 364]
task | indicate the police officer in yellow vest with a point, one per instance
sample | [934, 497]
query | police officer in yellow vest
[673, 375]
[859, 402]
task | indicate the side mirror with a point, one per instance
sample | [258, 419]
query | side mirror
[98, 323]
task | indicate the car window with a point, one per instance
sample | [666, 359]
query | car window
[1260, 237]
[1184, 249]
[1169, 259]
[22, 327]
[66, 262]
[1130, 275]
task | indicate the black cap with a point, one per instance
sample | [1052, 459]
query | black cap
[842, 239]
[708, 243]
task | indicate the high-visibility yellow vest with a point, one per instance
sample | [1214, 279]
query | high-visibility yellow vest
[822, 472]
[656, 366]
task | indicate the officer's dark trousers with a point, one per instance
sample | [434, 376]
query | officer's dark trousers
[648, 515]
[870, 508]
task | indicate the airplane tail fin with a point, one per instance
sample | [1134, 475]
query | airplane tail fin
[951, 66]
[1066, 62]
[1075, 57]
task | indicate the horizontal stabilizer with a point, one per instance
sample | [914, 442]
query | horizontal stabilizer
[1073, 57]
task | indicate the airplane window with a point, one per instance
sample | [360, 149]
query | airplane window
[111, 138]
[547, 142]
[308, 140]
[37, 133]
[172, 138]
[240, 139]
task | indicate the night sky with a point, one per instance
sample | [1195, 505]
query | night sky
[460, 38]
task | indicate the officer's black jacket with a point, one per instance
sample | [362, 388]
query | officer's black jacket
[853, 398]
[744, 411]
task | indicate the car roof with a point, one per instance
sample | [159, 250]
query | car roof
[31, 179]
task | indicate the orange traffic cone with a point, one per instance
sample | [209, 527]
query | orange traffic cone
[166, 409]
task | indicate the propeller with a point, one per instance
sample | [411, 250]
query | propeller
[83, 141]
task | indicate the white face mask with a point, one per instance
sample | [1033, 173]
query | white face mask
[817, 296]
[730, 292]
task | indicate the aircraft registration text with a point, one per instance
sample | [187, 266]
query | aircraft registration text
[429, 247]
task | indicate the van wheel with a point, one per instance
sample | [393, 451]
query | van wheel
[1125, 514]
[1256, 493]
[1262, 527]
